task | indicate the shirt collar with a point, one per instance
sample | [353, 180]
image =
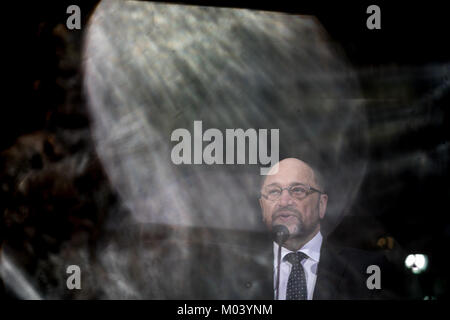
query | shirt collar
[311, 248]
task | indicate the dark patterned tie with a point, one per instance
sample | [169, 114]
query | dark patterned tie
[296, 286]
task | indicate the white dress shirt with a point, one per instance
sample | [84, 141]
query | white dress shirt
[312, 250]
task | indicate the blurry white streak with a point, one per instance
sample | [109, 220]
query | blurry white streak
[15, 279]
[171, 65]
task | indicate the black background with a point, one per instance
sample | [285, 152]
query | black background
[410, 202]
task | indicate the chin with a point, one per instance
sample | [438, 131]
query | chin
[295, 230]
[290, 226]
[298, 231]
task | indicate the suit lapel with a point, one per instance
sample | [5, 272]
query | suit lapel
[259, 283]
[269, 291]
[329, 274]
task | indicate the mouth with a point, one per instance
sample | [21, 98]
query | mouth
[286, 216]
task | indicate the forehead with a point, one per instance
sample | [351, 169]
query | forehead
[291, 171]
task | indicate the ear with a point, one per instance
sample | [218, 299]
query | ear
[323, 205]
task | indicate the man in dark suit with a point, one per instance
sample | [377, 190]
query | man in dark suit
[227, 264]
[293, 196]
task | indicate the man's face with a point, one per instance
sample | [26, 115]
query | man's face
[300, 216]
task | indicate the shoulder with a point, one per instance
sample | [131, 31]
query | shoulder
[356, 266]
[363, 256]
[350, 254]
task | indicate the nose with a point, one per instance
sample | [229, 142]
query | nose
[285, 198]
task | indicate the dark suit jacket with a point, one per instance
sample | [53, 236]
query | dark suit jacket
[240, 266]
[248, 274]
[342, 274]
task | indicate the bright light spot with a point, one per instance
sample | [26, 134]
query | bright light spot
[421, 261]
[409, 262]
[416, 262]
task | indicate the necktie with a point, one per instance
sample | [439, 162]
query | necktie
[296, 286]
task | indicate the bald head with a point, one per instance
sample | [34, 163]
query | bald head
[291, 169]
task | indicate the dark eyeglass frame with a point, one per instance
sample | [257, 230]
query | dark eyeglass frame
[307, 187]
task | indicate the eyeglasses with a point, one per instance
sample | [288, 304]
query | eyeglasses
[298, 191]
